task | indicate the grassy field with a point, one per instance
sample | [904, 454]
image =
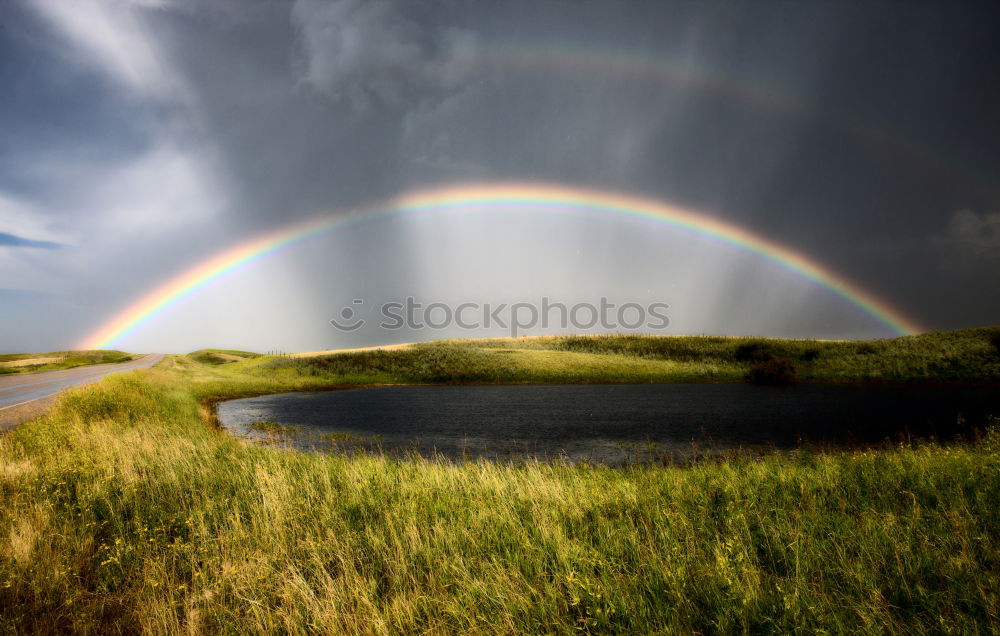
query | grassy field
[122, 511]
[13, 363]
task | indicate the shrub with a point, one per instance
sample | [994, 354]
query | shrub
[756, 351]
[995, 341]
[776, 371]
[810, 355]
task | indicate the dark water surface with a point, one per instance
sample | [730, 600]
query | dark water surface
[607, 423]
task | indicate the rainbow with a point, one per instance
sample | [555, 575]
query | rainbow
[529, 197]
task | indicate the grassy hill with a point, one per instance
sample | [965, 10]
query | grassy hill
[970, 355]
[221, 356]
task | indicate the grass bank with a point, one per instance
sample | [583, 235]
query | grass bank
[122, 511]
[13, 363]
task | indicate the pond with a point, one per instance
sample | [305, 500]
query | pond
[607, 423]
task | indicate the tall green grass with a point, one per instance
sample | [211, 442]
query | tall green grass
[122, 511]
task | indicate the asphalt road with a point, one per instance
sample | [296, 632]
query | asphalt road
[25, 396]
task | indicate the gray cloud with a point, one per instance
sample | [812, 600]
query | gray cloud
[114, 38]
[362, 50]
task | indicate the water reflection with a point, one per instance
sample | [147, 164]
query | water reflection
[610, 423]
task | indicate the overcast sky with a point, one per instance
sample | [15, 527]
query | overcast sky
[142, 136]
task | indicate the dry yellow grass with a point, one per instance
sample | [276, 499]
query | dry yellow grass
[328, 352]
[27, 362]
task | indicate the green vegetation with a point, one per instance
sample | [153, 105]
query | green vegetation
[947, 356]
[122, 511]
[57, 360]
[969, 355]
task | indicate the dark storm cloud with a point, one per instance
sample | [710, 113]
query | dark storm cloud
[370, 93]
[972, 240]
[10, 240]
[156, 131]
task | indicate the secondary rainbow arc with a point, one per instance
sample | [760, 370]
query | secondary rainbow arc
[764, 92]
[528, 196]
